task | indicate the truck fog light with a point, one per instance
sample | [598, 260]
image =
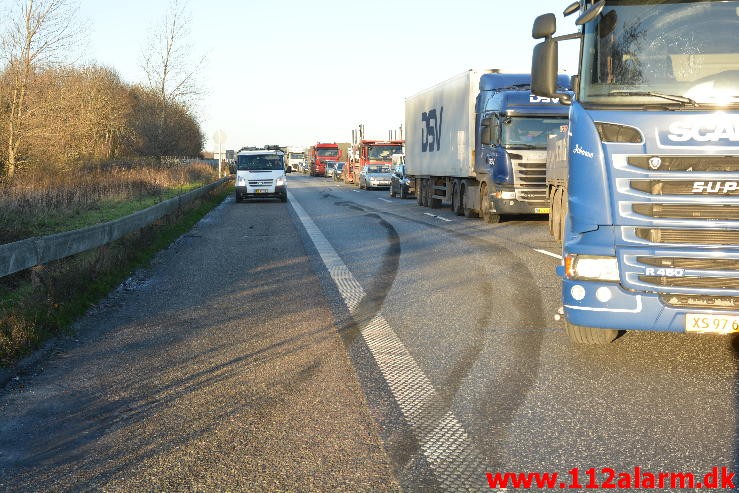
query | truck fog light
[577, 292]
[604, 294]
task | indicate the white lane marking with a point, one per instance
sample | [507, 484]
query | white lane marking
[548, 253]
[355, 191]
[385, 200]
[457, 465]
[438, 217]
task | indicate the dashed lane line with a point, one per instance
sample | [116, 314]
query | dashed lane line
[447, 447]
[550, 254]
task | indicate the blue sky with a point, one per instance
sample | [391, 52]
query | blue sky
[295, 72]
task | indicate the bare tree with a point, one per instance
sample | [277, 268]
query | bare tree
[40, 32]
[171, 70]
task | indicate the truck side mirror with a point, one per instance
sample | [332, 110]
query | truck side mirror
[544, 64]
[544, 26]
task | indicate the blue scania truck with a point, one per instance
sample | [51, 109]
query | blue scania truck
[651, 228]
[478, 142]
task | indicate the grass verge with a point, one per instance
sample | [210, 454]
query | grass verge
[43, 302]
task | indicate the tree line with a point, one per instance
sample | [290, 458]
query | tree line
[58, 115]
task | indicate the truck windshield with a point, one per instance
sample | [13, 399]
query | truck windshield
[296, 155]
[259, 162]
[672, 52]
[383, 153]
[530, 132]
[327, 152]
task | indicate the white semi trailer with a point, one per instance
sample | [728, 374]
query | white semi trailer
[478, 143]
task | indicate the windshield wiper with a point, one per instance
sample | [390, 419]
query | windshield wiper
[669, 97]
[521, 146]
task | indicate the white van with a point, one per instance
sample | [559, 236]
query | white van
[260, 174]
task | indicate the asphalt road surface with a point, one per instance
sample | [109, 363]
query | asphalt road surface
[370, 341]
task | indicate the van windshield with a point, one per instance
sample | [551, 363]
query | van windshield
[259, 162]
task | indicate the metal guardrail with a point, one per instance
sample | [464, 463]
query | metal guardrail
[24, 254]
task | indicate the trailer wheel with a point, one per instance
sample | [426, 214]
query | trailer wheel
[590, 335]
[457, 191]
[424, 192]
[433, 203]
[419, 192]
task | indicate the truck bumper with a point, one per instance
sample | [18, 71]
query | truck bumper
[513, 206]
[253, 192]
[610, 306]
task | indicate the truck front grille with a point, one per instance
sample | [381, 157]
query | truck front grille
[688, 211]
[720, 283]
[714, 264]
[689, 236]
[530, 182]
[698, 164]
[260, 183]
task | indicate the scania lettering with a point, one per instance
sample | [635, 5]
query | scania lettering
[477, 142]
[649, 203]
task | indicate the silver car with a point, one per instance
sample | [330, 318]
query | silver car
[375, 176]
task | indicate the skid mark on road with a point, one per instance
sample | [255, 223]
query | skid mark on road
[447, 447]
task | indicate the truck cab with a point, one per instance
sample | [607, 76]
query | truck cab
[651, 213]
[261, 174]
[513, 127]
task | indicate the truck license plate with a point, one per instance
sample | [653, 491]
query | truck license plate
[711, 324]
[542, 210]
[260, 190]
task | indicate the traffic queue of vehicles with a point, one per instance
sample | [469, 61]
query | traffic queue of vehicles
[636, 161]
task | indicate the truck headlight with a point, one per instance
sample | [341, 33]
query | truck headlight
[591, 268]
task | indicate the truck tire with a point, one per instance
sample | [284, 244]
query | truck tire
[403, 192]
[563, 210]
[468, 211]
[555, 214]
[551, 214]
[485, 213]
[590, 335]
[283, 197]
[424, 192]
[457, 191]
[419, 192]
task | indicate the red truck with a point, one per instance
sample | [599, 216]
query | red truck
[371, 152]
[319, 154]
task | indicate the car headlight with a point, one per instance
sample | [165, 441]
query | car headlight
[592, 268]
[280, 181]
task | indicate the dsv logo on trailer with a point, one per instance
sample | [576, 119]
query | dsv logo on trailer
[431, 131]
